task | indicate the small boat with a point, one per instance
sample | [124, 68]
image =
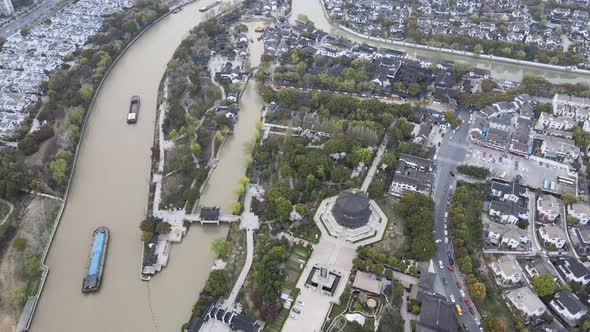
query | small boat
[206, 8]
[133, 110]
[91, 282]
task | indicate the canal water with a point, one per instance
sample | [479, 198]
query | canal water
[314, 11]
[110, 188]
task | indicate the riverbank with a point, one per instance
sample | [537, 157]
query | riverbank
[568, 69]
[28, 315]
[114, 170]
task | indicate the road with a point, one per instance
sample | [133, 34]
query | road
[37, 15]
[450, 154]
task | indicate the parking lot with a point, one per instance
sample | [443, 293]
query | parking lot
[533, 172]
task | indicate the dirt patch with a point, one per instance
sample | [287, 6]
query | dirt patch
[34, 225]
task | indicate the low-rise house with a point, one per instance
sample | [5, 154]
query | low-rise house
[560, 149]
[526, 302]
[550, 121]
[507, 212]
[414, 174]
[506, 236]
[567, 306]
[539, 266]
[572, 270]
[582, 245]
[507, 270]
[580, 211]
[552, 236]
[367, 282]
[436, 314]
[548, 208]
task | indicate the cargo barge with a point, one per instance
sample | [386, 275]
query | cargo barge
[206, 8]
[96, 260]
[133, 110]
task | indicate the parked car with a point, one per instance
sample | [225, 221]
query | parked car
[458, 284]
[462, 293]
[297, 311]
[450, 267]
[301, 303]
[450, 254]
[471, 311]
[293, 316]
[451, 262]
[467, 301]
[452, 298]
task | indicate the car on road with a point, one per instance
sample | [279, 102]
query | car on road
[297, 311]
[446, 239]
[452, 298]
[472, 312]
[301, 303]
[458, 284]
[451, 262]
[438, 241]
[293, 316]
[467, 302]
[462, 293]
[476, 320]
[446, 213]
[449, 254]
[446, 232]
[444, 281]
[452, 174]
[440, 264]
[450, 267]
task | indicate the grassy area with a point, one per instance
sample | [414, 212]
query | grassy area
[309, 232]
[394, 238]
[337, 309]
[3, 210]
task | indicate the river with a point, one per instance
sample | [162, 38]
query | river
[314, 11]
[110, 188]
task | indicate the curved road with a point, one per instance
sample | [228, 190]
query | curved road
[110, 188]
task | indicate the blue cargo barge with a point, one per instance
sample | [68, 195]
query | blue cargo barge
[93, 276]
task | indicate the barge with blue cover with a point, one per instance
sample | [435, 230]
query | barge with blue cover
[96, 260]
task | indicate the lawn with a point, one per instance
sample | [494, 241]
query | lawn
[394, 238]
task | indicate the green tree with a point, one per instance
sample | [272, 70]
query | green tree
[477, 290]
[478, 49]
[235, 207]
[389, 159]
[163, 227]
[146, 236]
[147, 225]
[465, 264]
[221, 247]
[361, 155]
[568, 198]
[217, 283]
[543, 284]
[59, 169]
[86, 92]
[414, 89]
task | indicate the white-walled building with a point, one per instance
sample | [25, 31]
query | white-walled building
[507, 270]
[568, 306]
[548, 207]
[552, 235]
[580, 211]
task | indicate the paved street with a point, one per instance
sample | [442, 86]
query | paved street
[450, 154]
[38, 15]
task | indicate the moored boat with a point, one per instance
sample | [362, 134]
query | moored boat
[133, 110]
[206, 8]
[91, 282]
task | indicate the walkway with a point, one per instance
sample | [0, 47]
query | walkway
[249, 222]
[10, 210]
[376, 161]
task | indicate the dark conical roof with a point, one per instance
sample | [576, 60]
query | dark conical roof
[351, 209]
